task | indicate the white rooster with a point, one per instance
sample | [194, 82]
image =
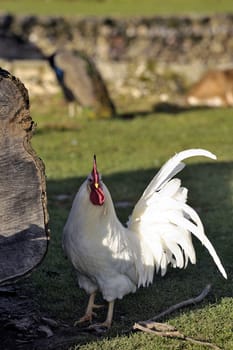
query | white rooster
[115, 259]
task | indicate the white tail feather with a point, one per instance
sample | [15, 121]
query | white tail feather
[188, 225]
[165, 223]
[172, 167]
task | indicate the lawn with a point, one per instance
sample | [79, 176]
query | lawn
[129, 152]
[113, 7]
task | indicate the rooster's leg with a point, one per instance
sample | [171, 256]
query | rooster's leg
[108, 322]
[89, 310]
[99, 327]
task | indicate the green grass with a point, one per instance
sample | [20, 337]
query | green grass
[113, 7]
[129, 152]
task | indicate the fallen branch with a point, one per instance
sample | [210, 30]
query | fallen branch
[179, 306]
[166, 330]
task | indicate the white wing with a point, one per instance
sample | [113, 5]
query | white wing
[165, 222]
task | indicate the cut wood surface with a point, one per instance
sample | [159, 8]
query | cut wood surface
[23, 212]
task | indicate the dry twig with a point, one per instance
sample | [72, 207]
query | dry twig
[180, 305]
[166, 330]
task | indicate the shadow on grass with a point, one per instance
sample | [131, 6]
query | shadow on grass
[209, 194]
[165, 107]
[54, 282]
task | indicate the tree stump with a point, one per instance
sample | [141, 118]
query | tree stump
[23, 212]
[81, 82]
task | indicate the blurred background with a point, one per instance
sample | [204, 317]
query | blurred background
[147, 53]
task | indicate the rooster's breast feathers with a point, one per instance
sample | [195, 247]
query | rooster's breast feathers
[100, 248]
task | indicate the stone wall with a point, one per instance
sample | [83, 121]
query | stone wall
[171, 39]
[142, 53]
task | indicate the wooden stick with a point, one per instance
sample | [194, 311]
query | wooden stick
[166, 330]
[180, 305]
[171, 332]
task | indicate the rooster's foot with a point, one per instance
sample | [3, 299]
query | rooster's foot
[106, 325]
[88, 315]
[100, 327]
[86, 318]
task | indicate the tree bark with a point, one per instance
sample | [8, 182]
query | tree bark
[23, 203]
